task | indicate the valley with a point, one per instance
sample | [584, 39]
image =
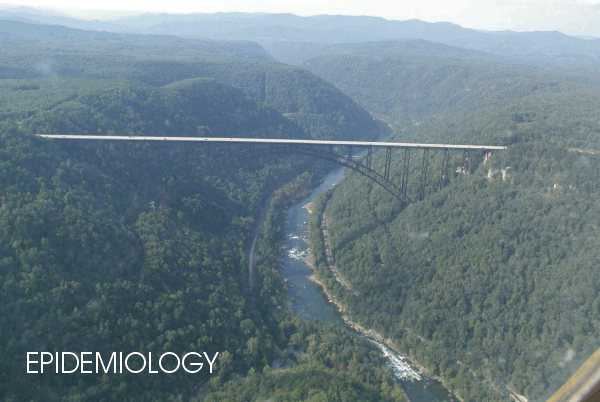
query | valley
[481, 270]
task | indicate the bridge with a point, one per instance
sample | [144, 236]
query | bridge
[338, 152]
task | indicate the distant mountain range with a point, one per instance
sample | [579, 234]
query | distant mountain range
[47, 40]
[276, 31]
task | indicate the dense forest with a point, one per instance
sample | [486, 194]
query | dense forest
[321, 109]
[91, 261]
[411, 83]
[489, 282]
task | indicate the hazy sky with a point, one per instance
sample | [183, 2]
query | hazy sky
[569, 16]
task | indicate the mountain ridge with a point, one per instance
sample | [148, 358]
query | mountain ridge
[335, 29]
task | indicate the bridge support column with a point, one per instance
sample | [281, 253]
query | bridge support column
[405, 171]
[369, 156]
[388, 163]
[445, 168]
[350, 153]
[423, 178]
[465, 163]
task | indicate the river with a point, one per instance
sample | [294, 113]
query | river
[308, 300]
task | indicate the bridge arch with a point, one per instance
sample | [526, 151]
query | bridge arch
[324, 153]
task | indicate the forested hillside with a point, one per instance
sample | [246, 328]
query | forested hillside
[88, 265]
[417, 82]
[489, 283]
[51, 40]
[317, 106]
[88, 262]
[297, 52]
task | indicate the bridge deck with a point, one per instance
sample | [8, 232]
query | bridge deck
[273, 141]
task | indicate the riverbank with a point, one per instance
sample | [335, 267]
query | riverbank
[337, 276]
[307, 300]
[368, 333]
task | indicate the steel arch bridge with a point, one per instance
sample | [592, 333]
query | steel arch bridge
[325, 150]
